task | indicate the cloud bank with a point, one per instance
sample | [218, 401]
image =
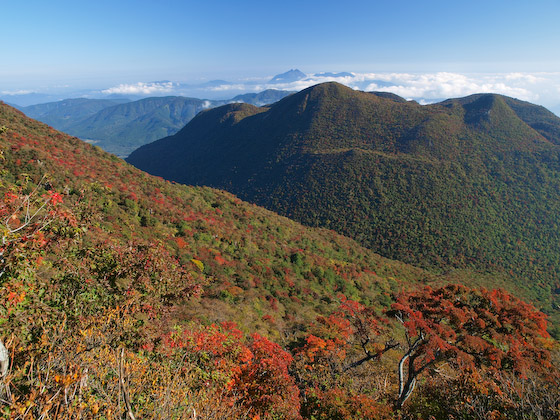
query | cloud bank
[16, 92]
[141, 88]
[540, 88]
[443, 85]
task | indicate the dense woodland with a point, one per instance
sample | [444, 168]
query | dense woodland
[126, 296]
[469, 185]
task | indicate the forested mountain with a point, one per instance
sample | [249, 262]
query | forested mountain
[471, 183]
[67, 113]
[120, 126]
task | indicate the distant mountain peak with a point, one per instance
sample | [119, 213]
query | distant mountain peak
[292, 75]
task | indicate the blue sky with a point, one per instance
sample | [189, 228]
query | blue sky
[98, 44]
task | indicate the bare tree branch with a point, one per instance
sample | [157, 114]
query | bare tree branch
[124, 387]
[371, 356]
[4, 360]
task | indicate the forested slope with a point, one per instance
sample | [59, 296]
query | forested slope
[470, 183]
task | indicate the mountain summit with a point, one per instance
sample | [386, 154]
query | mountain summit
[290, 76]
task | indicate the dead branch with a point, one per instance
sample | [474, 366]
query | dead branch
[124, 387]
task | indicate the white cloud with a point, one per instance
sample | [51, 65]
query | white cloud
[522, 77]
[443, 85]
[17, 92]
[424, 87]
[141, 88]
[228, 87]
[542, 88]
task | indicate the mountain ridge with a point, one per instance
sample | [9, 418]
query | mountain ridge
[120, 126]
[404, 179]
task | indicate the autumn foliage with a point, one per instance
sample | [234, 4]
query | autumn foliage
[477, 331]
[472, 341]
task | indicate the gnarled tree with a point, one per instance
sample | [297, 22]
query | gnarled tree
[473, 330]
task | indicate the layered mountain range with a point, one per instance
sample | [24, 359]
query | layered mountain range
[119, 126]
[115, 202]
[470, 183]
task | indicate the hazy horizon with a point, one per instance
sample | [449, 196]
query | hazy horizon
[423, 51]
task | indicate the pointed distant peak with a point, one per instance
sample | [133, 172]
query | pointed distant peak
[290, 76]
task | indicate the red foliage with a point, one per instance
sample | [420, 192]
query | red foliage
[474, 330]
[492, 328]
[264, 382]
[257, 370]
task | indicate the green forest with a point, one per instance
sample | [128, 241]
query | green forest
[469, 186]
